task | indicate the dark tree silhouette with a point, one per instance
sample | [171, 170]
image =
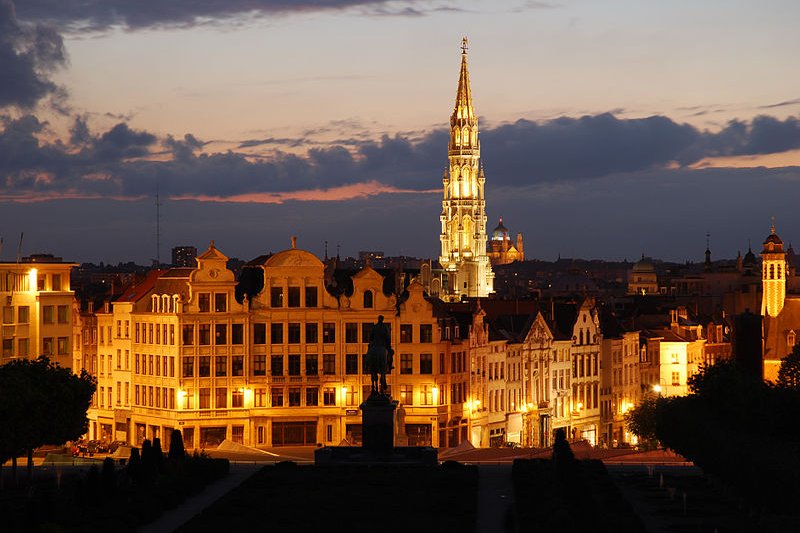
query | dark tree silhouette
[789, 372]
[41, 403]
[177, 452]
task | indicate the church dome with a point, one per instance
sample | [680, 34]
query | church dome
[500, 232]
[643, 265]
[773, 243]
[294, 258]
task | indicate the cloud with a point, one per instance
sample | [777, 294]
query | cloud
[98, 15]
[523, 153]
[29, 54]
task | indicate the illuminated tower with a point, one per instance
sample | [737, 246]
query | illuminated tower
[773, 274]
[463, 216]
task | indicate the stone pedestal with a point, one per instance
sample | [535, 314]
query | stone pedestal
[377, 435]
[377, 423]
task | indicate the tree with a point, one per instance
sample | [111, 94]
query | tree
[41, 403]
[641, 420]
[789, 371]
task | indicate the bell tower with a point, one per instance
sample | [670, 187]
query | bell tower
[773, 274]
[463, 218]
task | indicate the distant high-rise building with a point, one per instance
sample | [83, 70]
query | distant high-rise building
[184, 256]
[463, 236]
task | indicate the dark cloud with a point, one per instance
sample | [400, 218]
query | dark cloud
[137, 14]
[29, 53]
[795, 101]
[126, 162]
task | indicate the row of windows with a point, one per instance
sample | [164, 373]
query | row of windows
[52, 314]
[292, 299]
[148, 333]
[586, 365]
[154, 365]
[23, 314]
[23, 347]
[148, 396]
[220, 300]
[105, 395]
[585, 396]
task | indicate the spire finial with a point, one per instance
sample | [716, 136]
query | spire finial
[708, 241]
[464, 45]
[772, 227]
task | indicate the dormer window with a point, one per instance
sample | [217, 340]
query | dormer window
[368, 300]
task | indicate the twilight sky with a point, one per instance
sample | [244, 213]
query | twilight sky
[609, 128]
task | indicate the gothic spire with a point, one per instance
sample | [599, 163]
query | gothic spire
[463, 108]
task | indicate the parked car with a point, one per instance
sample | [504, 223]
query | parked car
[116, 444]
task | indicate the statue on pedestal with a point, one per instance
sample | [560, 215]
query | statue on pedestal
[379, 356]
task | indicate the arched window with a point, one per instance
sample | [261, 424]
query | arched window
[457, 135]
[154, 303]
[368, 300]
[772, 272]
[790, 340]
[581, 337]
[779, 272]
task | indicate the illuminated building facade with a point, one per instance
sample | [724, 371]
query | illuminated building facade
[284, 366]
[37, 310]
[463, 235]
[502, 250]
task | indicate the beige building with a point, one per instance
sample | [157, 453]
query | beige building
[37, 310]
[285, 367]
[502, 250]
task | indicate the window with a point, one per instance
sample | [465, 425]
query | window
[366, 331]
[312, 332]
[8, 347]
[351, 332]
[276, 333]
[260, 397]
[204, 366]
[204, 334]
[237, 432]
[293, 300]
[426, 363]
[220, 366]
[22, 347]
[293, 333]
[328, 332]
[294, 396]
[406, 333]
[277, 396]
[171, 333]
[276, 297]
[675, 359]
[312, 368]
[119, 322]
[237, 398]
[368, 303]
[276, 365]
[8, 315]
[329, 364]
[221, 399]
[311, 298]
[204, 302]
[187, 334]
[260, 365]
[406, 394]
[426, 395]
[237, 333]
[220, 334]
[47, 346]
[676, 378]
[406, 363]
[351, 363]
[23, 314]
[312, 396]
[364, 365]
[205, 398]
[188, 367]
[55, 282]
[294, 364]
[220, 302]
[237, 365]
[426, 333]
[47, 314]
[259, 333]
